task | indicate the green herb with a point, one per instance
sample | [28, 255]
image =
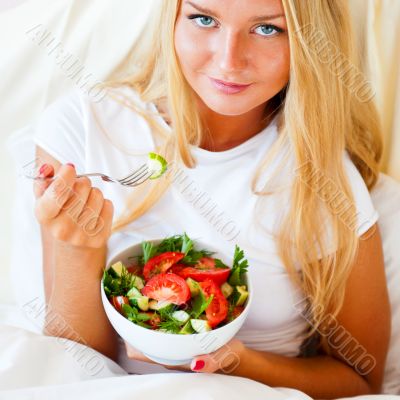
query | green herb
[133, 314]
[182, 244]
[219, 263]
[187, 244]
[170, 325]
[200, 304]
[149, 251]
[172, 243]
[118, 286]
[240, 265]
[230, 310]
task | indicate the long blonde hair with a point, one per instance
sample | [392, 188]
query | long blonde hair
[326, 108]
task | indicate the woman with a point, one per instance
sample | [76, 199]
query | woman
[261, 110]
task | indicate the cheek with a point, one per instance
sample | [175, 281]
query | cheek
[274, 66]
[189, 55]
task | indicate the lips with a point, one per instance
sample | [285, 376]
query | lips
[228, 88]
[231, 84]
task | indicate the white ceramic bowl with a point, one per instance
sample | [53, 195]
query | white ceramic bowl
[167, 348]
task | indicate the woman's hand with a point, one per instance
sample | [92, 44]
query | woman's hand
[224, 360]
[75, 223]
[71, 210]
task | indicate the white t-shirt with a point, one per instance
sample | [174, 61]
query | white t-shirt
[212, 202]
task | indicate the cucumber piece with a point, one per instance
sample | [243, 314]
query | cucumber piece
[226, 289]
[187, 329]
[157, 164]
[193, 286]
[241, 295]
[141, 302]
[165, 331]
[200, 325]
[181, 316]
[134, 292]
[138, 282]
[116, 269]
[160, 305]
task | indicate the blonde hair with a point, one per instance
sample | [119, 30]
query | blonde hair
[322, 114]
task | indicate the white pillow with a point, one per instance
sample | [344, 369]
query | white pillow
[26, 258]
[26, 254]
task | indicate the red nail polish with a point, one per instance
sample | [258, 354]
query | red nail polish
[46, 171]
[199, 365]
[43, 169]
[71, 165]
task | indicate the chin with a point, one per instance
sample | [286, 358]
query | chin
[226, 106]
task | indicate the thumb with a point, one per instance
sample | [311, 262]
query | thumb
[40, 185]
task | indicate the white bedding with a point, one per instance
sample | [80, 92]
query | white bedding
[34, 366]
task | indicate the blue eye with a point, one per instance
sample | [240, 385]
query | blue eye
[207, 21]
[269, 30]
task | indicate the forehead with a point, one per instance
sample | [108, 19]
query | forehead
[236, 8]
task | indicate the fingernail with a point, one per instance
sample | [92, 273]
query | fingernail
[45, 170]
[198, 365]
[71, 165]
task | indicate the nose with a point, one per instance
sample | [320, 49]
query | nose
[232, 55]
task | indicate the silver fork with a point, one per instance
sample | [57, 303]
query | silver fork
[137, 177]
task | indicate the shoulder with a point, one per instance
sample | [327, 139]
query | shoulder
[115, 100]
[76, 103]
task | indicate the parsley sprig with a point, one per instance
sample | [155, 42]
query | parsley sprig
[118, 285]
[239, 267]
[200, 304]
[178, 243]
[133, 314]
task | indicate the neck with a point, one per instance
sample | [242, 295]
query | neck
[225, 132]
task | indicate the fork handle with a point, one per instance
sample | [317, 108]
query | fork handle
[92, 174]
[52, 177]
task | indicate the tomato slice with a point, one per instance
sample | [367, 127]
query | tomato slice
[177, 269]
[217, 311]
[161, 263]
[206, 262]
[167, 287]
[205, 269]
[218, 275]
[135, 269]
[117, 302]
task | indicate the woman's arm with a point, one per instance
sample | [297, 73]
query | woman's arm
[72, 269]
[361, 340]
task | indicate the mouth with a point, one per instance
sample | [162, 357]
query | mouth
[231, 84]
[229, 87]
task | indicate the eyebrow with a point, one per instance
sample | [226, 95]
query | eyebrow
[254, 19]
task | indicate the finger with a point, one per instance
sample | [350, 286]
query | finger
[90, 213]
[77, 202]
[204, 363]
[135, 354]
[226, 359]
[39, 186]
[55, 196]
[104, 221]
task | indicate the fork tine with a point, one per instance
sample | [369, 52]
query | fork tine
[139, 181]
[133, 174]
[137, 177]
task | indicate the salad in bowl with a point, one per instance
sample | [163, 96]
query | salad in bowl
[174, 298]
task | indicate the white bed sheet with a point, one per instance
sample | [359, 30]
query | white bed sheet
[33, 366]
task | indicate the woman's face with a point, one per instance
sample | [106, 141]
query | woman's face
[235, 41]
